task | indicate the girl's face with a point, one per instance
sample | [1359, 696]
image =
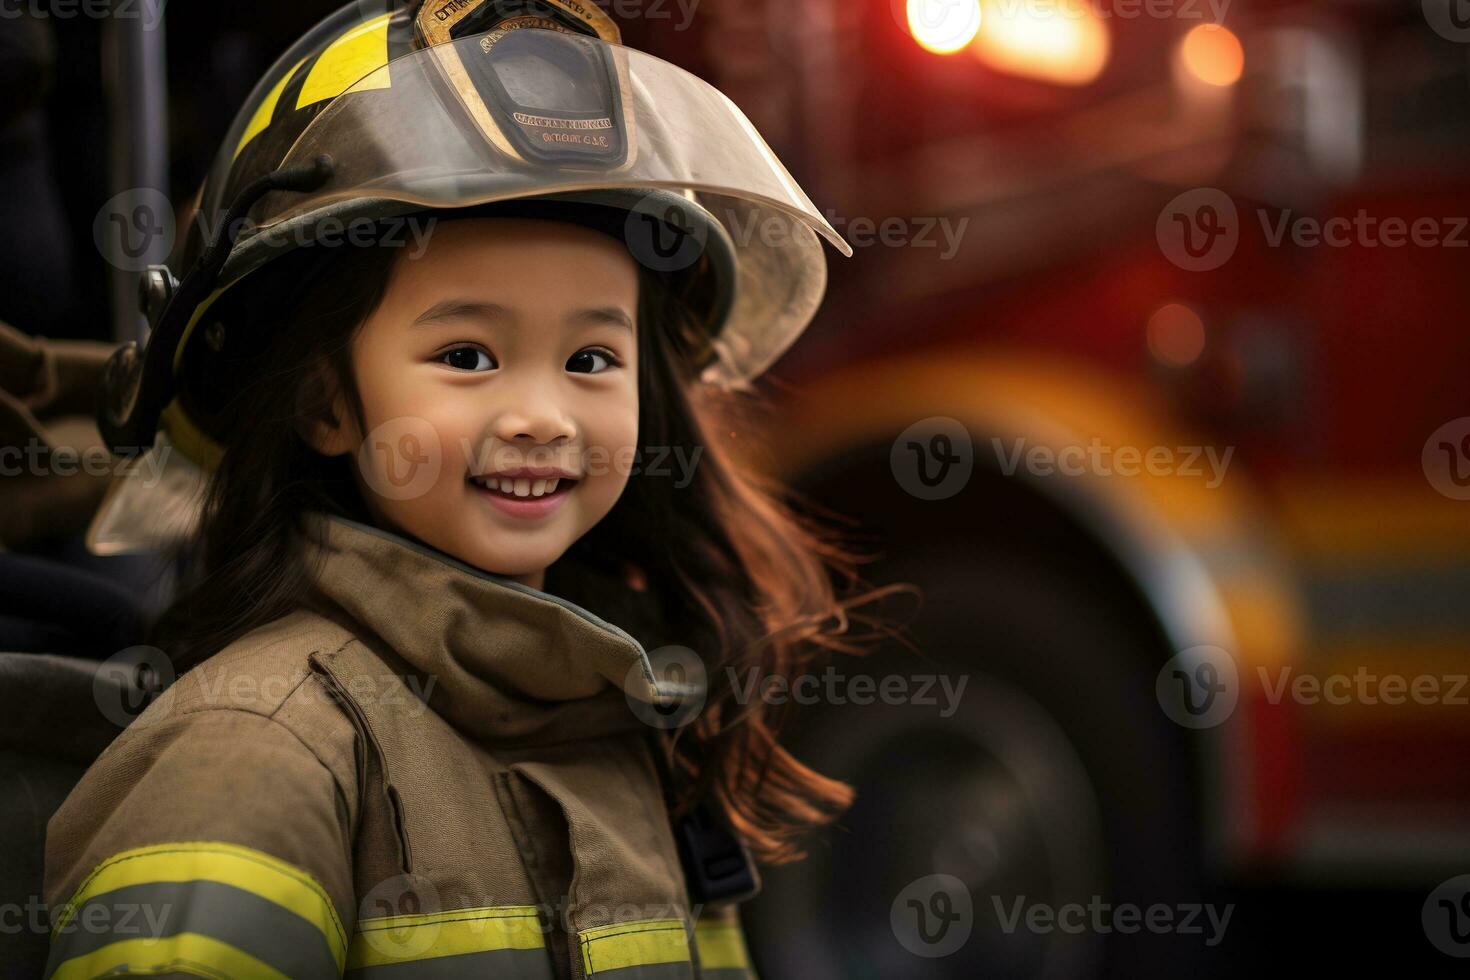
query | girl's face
[498, 379]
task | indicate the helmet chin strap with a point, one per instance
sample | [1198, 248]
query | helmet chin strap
[129, 410]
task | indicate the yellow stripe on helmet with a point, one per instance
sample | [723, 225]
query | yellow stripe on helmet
[267, 109]
[350, 58]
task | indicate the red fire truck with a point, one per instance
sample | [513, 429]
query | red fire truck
[1171, 464]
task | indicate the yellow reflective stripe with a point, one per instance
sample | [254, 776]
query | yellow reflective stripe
[642, 943]
[266, 109]
[402, 938]
[241, 867]
[186, 952]
[353, 56]
[189, 439]
[721, 946]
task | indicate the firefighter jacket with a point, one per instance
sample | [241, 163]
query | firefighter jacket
[424, 771]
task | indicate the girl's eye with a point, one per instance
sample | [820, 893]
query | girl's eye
[467, 359]
[584, 361]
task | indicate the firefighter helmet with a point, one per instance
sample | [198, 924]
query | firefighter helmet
[504, 106]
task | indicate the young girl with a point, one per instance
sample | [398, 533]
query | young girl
[478, 574]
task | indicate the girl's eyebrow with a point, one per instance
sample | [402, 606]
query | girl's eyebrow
[614, 315]
[453, 309]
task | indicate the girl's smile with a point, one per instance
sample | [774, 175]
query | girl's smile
[527, 497]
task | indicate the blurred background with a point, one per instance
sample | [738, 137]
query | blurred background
[1149, 368]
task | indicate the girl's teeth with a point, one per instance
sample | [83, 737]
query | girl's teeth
[522, 487]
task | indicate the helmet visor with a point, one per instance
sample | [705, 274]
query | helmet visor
[527, 112]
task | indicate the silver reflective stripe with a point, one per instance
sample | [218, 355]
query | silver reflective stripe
[502, 964]
[650, 971]
[276, 936]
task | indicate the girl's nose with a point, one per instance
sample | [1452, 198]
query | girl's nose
[537, 419]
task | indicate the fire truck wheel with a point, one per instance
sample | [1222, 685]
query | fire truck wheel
[1024, 759]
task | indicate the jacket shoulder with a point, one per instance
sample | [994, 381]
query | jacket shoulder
[268, 672]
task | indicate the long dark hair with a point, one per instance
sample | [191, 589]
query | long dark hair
[753, 578]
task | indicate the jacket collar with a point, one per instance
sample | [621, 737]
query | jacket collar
[505, 661]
